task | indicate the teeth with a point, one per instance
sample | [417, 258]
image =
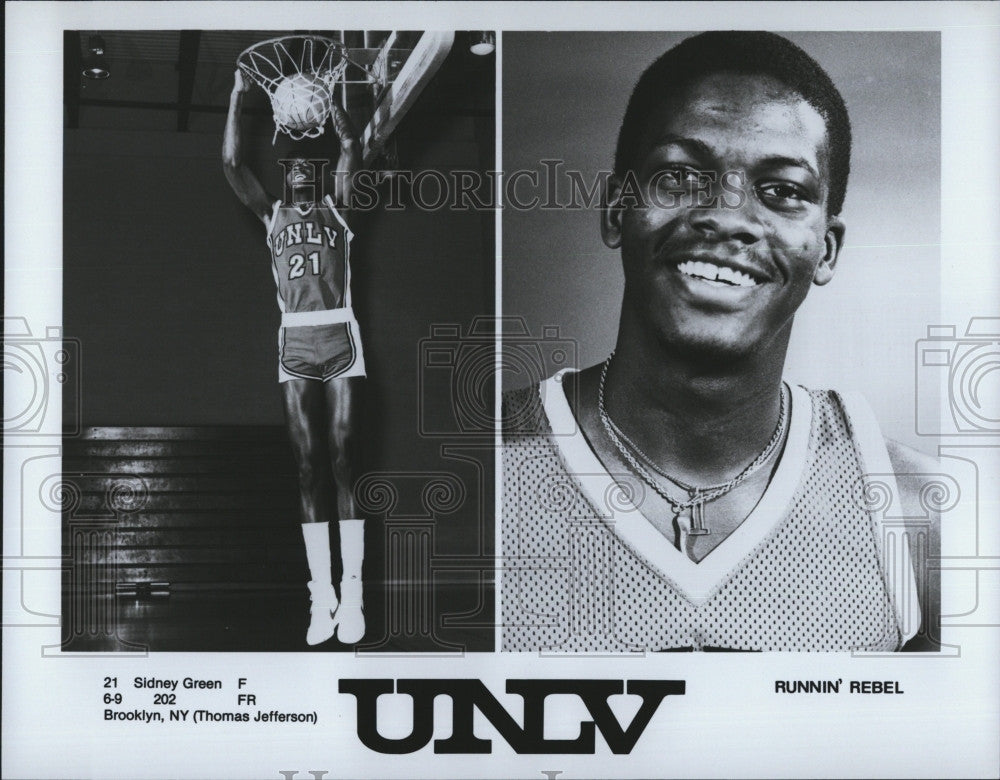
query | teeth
[716, 273]
[733, 276]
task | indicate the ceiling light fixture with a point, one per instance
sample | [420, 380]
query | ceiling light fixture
[95, 66]
[483, 43]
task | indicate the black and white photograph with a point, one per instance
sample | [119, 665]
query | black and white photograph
[263, 469]
[677, 493]
[501, 390]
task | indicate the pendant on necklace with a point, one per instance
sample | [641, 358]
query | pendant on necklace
[698, 520]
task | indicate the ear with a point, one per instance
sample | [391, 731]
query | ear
[611, 214]
[834, 241]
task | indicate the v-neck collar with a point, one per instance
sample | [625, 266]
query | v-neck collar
[695, 581]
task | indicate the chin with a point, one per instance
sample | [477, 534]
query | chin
[724, 343]
[709, 351]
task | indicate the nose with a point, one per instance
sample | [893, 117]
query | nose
[723, 221]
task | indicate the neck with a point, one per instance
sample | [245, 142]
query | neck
[700, 419]
[302, 197]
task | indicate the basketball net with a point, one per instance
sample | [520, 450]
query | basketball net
[298, 74]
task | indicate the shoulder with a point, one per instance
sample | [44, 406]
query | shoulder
[906, 460]
[270, 214]
[339, 213]
[522, 412]
[920, 481]
[917, 475]
[915, 471]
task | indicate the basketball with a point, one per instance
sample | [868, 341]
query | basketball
[300, 103]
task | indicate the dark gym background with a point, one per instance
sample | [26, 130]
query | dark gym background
[182, 470]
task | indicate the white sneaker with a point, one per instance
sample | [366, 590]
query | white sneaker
[321, 612]
[350, 618]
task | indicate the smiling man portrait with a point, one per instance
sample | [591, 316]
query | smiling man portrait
[682, 494]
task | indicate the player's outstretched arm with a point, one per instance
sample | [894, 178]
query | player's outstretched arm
[246, 186]
[350, 156]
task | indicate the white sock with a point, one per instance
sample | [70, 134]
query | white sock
[352, 553]
[317, 539]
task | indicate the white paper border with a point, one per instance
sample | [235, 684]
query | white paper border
[729, 723]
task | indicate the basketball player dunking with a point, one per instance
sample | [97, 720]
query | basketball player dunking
[681, 495]
[321, 367]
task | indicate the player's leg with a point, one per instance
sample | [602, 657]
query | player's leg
[305, 417]
[343, 398]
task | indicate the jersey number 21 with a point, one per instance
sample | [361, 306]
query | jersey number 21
[297, 263]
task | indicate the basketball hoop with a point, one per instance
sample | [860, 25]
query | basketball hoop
[298, 73]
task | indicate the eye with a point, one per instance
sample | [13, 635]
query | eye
[783, 194]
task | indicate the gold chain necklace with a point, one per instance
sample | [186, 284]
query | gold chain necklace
[697, 496]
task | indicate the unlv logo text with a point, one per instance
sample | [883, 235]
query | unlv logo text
[470, 695]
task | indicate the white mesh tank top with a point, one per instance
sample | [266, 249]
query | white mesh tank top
[584, 571]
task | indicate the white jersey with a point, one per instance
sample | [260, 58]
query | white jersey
[813, 567]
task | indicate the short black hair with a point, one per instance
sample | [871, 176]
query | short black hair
[742, 52]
